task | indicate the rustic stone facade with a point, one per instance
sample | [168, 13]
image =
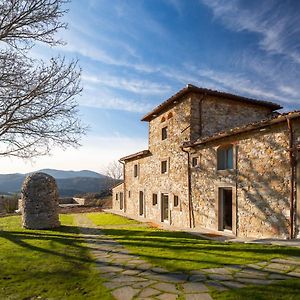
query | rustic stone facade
[40, 202]
[195, 192]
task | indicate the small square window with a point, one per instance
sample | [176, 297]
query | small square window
[135, 171]
[176, 201]
[164, 133]
[194, 161]
[154, 199]
[164, 166]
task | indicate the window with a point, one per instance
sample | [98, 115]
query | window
[154, 199]
[194, 161]
[135, 171]
[176, 201]
[129, 194]
[225, 157]
[164, 133]
[117, 197]
[163, 119]
[164, 166]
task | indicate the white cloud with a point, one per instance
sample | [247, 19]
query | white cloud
[105, 98]
[278, 27]
[132, 85]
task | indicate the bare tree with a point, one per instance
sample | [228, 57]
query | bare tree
[37, 98]
[115, 170]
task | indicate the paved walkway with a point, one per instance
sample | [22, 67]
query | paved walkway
[129, 277]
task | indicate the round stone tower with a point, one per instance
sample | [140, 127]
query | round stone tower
[40, 202]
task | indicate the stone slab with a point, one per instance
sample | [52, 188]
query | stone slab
[233, 284]
[148, 292]
[167, 296]
[124, 293]
[196, 278]
[166, 287]
[194, 287]
[294, 274]
[220, 277]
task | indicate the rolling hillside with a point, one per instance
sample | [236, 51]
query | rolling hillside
[69, 183]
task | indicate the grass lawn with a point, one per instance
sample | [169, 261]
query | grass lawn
[284, 290]
[48, 264]
[179, 251]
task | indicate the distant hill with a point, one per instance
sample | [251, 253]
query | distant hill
[60, 174]
[69, 183]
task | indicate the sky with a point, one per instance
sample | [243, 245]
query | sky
[135, 54]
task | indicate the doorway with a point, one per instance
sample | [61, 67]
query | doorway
[164, 207]
[141, 203]
[225, 209]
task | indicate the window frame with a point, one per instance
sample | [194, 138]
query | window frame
[164, 133]
[166, 166]
[192, 161]
[177, 201]
[223, 152]
[154, 199]
[135, 170]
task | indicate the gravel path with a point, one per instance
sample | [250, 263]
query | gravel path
[130, 277]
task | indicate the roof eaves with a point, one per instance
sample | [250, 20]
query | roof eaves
[135, 155]
[243, 129]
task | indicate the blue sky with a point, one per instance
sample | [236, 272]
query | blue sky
[134, 54]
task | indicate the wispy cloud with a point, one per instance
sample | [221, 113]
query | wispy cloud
[107, 99]
[278, 28]
[137, 86]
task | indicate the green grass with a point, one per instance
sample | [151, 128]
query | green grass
[104, 219]
[179, 251]
[46, 264]
[283, 290]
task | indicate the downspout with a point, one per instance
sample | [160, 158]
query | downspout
[292, 178]
[124, 185]
[191, 212]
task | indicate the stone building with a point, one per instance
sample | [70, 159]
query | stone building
[218, 161]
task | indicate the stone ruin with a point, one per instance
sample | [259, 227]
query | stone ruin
[40, 202]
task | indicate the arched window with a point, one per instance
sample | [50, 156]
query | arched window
[163, 119]
[225, 157]
[170, 115]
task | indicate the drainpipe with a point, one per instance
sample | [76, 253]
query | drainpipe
[292, 178]
[191, 211]
[124, 185]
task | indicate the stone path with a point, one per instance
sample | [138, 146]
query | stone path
[130, 277]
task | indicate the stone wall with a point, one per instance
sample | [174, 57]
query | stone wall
[150, 180]
[260, 183]
[219, 114]
[260, 180]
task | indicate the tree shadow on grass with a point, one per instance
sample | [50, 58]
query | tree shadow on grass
[157, 242]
